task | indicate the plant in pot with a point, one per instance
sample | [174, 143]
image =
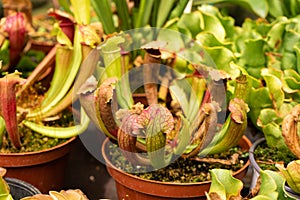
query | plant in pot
[39, 122]
[177, 124]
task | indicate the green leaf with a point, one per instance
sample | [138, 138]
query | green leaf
[267, 116]
[291, 81]
[274, 85]
[61, 87]
[291, 37]
[63, 39]
[253, 54]
[183, 137]
[170, 36]
[289, 60]
[286, 108]
[65, 5]
[144, 13]
[179, 89]
[268, 186]
[112, 56]
[275, 35]
[224, 184]
[272, 132]
[279, 180]
[212, 24]
[259, 7]
[265, 101]
[4, 188]
[209, 39]
[190, 24]
[2, 129]
[123, 13]
[81, 11]
[297, 51]
[222, 58]
[60, 132]
[291, 174]
[291, 85]
[276, 8]
[178, 10]
[164, 10]
[103, 11]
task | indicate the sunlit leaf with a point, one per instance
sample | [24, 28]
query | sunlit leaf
[268, 186]
[224, 184]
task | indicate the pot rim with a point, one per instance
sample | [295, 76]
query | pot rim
[20, 183]
[251, 153]
[109, 164]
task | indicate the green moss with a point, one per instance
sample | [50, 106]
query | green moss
[32, 141]
[267, 157]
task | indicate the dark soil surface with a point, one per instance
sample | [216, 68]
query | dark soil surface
[184, 170]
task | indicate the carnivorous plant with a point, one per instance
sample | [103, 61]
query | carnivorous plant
[182, 111]
[48, 103]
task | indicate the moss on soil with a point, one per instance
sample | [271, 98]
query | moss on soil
[32, 141]
[182, 170]
[267, 157]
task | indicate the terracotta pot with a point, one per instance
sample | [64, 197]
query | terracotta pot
[20, 189]
[135, 188]
[43, 169]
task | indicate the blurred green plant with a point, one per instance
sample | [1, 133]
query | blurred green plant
[269, 9]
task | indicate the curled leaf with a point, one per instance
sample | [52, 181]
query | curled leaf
[237, 107]
[290, 130]
[8, 105]
[292, 174]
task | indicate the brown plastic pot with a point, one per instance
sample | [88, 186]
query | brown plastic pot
[43, 169]
[134, 188]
